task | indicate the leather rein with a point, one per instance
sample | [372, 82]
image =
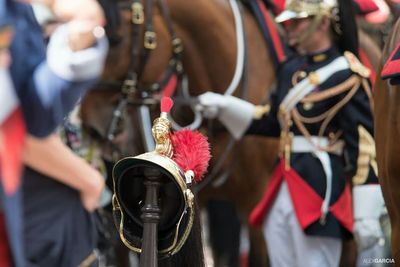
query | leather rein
[132, 92]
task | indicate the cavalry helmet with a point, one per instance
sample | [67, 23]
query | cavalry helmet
[176, 202]
[296, 9]
[341, 13]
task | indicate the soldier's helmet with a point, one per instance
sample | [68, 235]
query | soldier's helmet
[296, 9]
[341, 13]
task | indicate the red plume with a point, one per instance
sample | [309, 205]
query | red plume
[191, 152]
[166, 104]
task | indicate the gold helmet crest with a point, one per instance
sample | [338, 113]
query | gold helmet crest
[296, 9]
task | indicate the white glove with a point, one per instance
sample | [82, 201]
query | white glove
[236, 114]
[368, 206]
[367, 233]
[211, 103]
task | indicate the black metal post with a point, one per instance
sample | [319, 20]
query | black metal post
[150, 217]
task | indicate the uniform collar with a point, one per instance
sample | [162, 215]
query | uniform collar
[322, 56]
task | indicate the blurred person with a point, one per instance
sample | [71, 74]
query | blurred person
[37, 91]
[61, 190]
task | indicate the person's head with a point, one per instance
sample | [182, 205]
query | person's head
[313, 25]
[307, 37]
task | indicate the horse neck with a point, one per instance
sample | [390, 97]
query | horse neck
[209, 53]
[208, 32]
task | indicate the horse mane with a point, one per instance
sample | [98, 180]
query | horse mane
[191, 253]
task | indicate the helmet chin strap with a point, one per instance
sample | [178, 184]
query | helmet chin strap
[314, 25]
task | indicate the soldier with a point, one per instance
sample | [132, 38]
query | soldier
[321, 110]
[36, 93]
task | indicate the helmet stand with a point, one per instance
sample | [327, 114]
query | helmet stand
[150, 217]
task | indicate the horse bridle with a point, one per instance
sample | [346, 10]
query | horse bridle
[131, 88]
[133, 93]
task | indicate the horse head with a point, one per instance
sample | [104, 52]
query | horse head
[202, 54]
[111, 109]
[207, 32]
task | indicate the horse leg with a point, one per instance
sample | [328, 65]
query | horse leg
[258, 256]
[349, 253]
[225, 237]
[224, 227]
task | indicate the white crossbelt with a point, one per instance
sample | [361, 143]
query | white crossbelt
[302, 145]
[303, 88]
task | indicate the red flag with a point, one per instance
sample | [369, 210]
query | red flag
[12, 134]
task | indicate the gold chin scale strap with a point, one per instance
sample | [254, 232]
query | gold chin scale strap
[314, 25]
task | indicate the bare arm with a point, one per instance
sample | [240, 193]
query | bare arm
[51, 157]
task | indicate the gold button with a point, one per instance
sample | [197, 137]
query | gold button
[314, 79]
[308, 106]
[319, 58]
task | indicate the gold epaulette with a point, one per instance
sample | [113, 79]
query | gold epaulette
[356, 66]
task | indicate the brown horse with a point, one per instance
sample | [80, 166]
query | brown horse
[207, 31]
[387, 132]
[208, 36]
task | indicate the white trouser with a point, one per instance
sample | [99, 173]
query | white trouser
[289, 246]
[365, 258]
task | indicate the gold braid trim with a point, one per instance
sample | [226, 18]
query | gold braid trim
[352, 85]
[366, 156]
[335, 146]
[298, 76]
[88, 260]
[336, 90]
[349, 84]
[328, 115]
[368, 91]
[335, 109]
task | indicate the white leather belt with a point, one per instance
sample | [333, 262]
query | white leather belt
[302, 145]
